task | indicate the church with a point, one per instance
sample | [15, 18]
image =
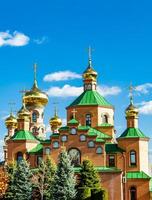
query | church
[122, 163]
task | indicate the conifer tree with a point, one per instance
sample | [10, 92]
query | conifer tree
[64, 179]
[10, 170]
[43, 178]
[21, 182]
[89, 182]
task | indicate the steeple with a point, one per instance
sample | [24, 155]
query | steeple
[132, 111]
[90, 75]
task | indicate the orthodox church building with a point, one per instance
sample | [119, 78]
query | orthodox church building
[89, 133]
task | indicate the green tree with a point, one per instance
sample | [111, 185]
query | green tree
[10, 170]
[89, 186]
[43, 178]
[21, 181]
[64, 180]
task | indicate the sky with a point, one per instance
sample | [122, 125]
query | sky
[57, 34]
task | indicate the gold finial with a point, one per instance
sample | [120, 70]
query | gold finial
[55, 109]
[90, 56]
[131, 89]
[11, 104]
[35, 75]
[74, 113]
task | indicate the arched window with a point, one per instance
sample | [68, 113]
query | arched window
[34, 130]
[91, 144]
[34, 116]
[75, 156]
[112, 161]
[133, 193]
[19, 156]
[99, 150]
[104, 119]
[47, 151]
[82, 138]
[55, 144]
[39, 160]
[64, 138]
[133, 158]
[88, 119]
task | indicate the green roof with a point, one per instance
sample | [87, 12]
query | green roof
[73, 121]
[90, 97]
[100, 169]
[23, 135]
[99, 134]
[83, 128]
[137, 175]
[132, 133]
[113, 148]
[64, 128]
[106, 125]
[55, 135]
[37, 150]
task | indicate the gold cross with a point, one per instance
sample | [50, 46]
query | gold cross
[35, 70]
[74, 113]
[11, 103]
[55, 107]
[131, 89]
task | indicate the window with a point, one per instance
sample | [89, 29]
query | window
[56, 145]
[99, 150]
[133, 193]
[75, 156]
[88, 119]
[47, 151]
[39, 160]
[34, 116]
[64, 138]
[104, 119]
[34, 130]
[82, 138]
[111, 161]
[133, 158]
[19, 156]
[73, 131]
[91, 144]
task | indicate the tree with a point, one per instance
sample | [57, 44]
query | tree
[43, 178]
[21, 186]
[10, 170]
[64, 180]
[89, 186]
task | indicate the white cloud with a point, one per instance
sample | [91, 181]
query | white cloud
[144, 88]
[72, 91]
[145, 107]
[40, 40]
[61, 76]
[109, 91]
[15, 39]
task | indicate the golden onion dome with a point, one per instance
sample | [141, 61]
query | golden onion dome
[90, 73]
[55, 121]
[11, 121]
[131, 110]
[23, 113]
[35, 96]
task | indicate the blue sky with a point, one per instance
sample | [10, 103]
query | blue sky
[56, 35]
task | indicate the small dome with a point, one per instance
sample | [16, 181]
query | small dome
[23, 112]
[35, 96]
[90, 74]
[11, 121]
[55, 121]
[131, 110]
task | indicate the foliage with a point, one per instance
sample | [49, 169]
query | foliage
[20, 182]
[64, 179]
[89, 186]
[42, 179]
